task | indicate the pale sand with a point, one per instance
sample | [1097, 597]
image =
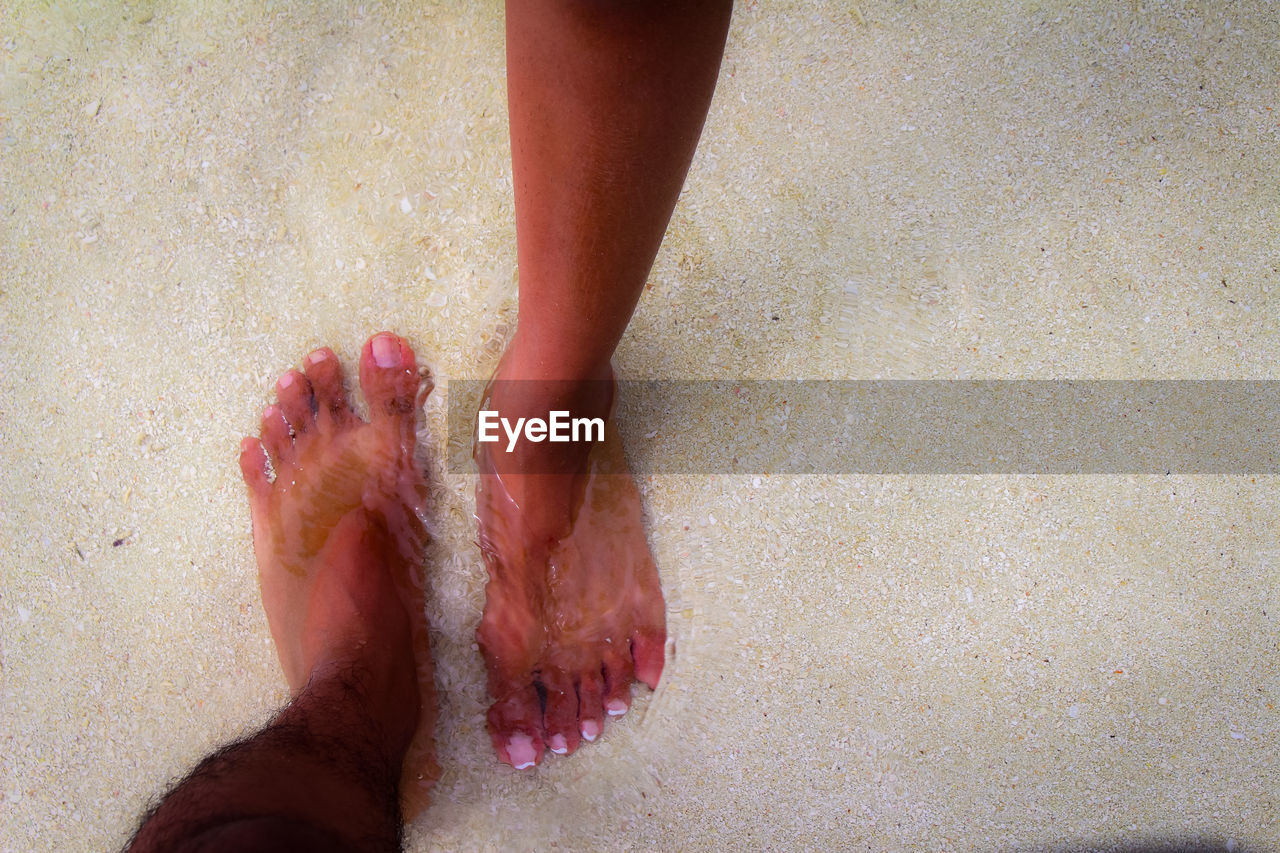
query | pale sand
[197, 194]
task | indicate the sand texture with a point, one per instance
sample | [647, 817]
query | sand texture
[197, 193]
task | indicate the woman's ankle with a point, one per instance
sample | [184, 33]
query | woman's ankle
[533, 357]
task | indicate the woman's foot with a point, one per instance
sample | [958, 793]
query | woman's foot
[574, 610]
[336, 529]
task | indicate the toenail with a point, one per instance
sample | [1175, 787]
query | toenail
[386, 352]
[615, 707]
[590, 729]
[317, 357]
[558, 744]
[521, 752]
[286, 380]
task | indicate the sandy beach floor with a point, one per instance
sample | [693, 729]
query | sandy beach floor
[196, 194]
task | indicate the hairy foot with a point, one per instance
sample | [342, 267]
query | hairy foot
[573, 610]
[338, 538]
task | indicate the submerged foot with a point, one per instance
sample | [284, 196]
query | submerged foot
[573, 610]
[338, 539]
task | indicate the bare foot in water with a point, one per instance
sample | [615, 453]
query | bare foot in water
[573, 611]
[339, 542]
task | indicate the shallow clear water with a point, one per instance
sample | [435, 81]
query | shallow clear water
[197, 195]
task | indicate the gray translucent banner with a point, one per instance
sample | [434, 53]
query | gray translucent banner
[932, 427]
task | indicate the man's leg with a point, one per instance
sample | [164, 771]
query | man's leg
[322, 776]
[607, 101]
[339, 547]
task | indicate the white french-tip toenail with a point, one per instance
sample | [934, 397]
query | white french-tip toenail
[385, 351]
[590, 729]
[558, 744]
[615, 707]
[521, 752]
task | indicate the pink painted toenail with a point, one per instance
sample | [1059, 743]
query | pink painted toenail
[521, 752]
[286, 380]
[590, 729]
[386, 352]
[615, 707]
[558, 744]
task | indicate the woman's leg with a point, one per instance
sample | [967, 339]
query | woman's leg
[607, 101]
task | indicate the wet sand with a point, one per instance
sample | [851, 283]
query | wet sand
[195, 196]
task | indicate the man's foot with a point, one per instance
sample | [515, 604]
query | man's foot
[573, 610]
[339, 542]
